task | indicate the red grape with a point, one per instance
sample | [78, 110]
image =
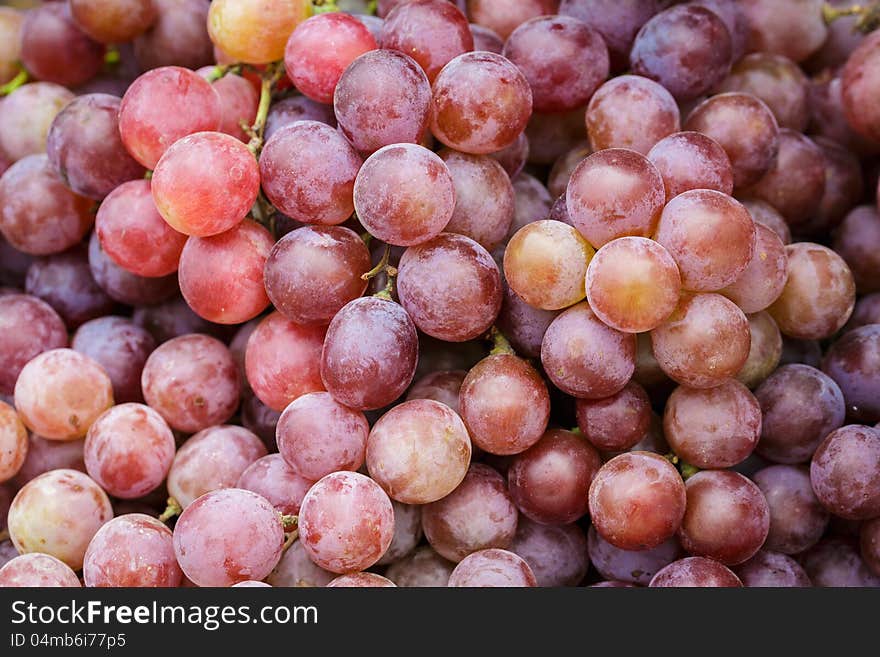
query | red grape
[360, 580]
[854, 364]
[29, 327]
[523, 325]
[857, 241]
[794, 28]
[764, 213]
[112, 21]
[764, 277]
[422, 568]
[37, 570]
[442, 386]
[695, 572]
[765, 350]
[617, 422]
[492, 568]
[617, 22]
[239, 102]
[44, 455]
[845, 472]
[771, 569]
[179, 37]
[11, 20]
[13, 442]
[407, 533]
[691, 160]
[557, 554]
[797, 519]
[870, 544]
[271, 477]
[634, 567]
[122, 285]
[296, 569]
[26, 115]
[835, 562]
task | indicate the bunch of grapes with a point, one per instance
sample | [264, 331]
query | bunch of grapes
[432, 293]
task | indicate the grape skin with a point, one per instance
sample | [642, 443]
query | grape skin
[37, 570]
[422, 568]
[13, 442]
[695, 572]
[492, 568]
[271, 477]
[30, 327]
[557, 554]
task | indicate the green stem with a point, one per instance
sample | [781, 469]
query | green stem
[378, 269]
[148, 175]
[391, 273]
[868, 15]
[324, 6]
[289, 523]
[687, 470]
[173, 509]
[112, 56]
[270, 78]
[14, 83]
[371, 7]
[500, 344]
[223, 69]
[366, 238]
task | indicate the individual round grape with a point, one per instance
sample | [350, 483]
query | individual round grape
[314, 67]
[486, 39]
[714, 428]
[370, 353]
[856, 241]
[296, 569]
[55, 49]
[797, 519]
[435, 277]
[634, 567]
[38, 214]
[835, 562]
[617, 422]
[239, 103]
[162, 44]
[418, 452]
[283, 360]
[772, 569]
[819, 294]
[492, 568]
[631, 112]
[421, 568]
[442, 386]
[359, 580]
[271, 477]
[794, 28]
[26, 115]
[484, 198]
[637, 501]
[346, 522]
[744, 127]
[11, 20]
[227, 536]
[122, 285]
[764, 278]
[473, 86]
[13, 442]
[734, 19]
[585, 358]
[557, 554]
[550, 481]
[545, 263]
[192, 382]
[37, 570]
[523, 325]
[695, 572]
[532, 202]
[764, 213]
[407, 533]
[845, 472]
[250, 583]
[633, 284]
[212, 459]
[149, 123]
[111, 21]
[318, 436]
[800, 406]
[617, 22]
[373, 83]
[870, 545]
[765, 350]
[214, 290]
[691, 160]
[858, 86]
[28, 327]
[614, 193]
[503, 16]
[295, 108]
[308, 171]
[60, 393]
[57, 514]
[132, 550]
[513, 157]
[477, 515]
[686, 48]
[854, 364]
[44, 455]
[255, 31]
[844, 187]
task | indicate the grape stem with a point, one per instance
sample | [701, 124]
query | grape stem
[173, 509]
[378, 269]
[14, 83]
[371, 7]
[289, 540]
[500, 344]
[289, 522]
[686, 470]
[223, 69]
[270, 77]
[324, 6]
[112, 56]
[868, 16]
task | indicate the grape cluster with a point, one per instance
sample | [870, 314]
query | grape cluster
[502, 293]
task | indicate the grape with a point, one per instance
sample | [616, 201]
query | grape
[55, 49]
[370, 353]
[765, 351]
[648, 372]
[227, 536]
[764, 277]
[857, 241]
[764, 213]
[296, 569]
[550, 134]
[374, 83]
[800, 406]
[11, 21]
[44, 455]
[617, 422]
[691, 160]
[585, 358]
[421, 568]
[695, 572]
[794, 28]
[843, 187]
[57, 514]
[745, 128]
[771, 569]
[633, 284]
[513, 157]
[239, 102]
[478, 514]
[132, 550]
[133, 233]
[149, 126]
[870, 545]
[486, 39]
[854, 364]
[249, 583]
[563, 167]
[614, 193]
[418, 452]
[407, 533]
[777, 81]
[308, 171]
[13, 442]
[109, 21]
[492, 568]
[13, 265]
[442, 386]
[557, 555]
[255, 31]
[26, 115]
[631, 112]
[484, 198]
[475, 85]
[435, 277]
[617, 22]
[734, 19]
[359, 580]
[271, 477]
[797, 519]
[845, 472]
[807, 352]
[295, 108]
[346, 522]
[867, 311]
[28, 327]
[179, 37]
[283, 359]
[819, 294]
[835, 562]
[37, 570]
[795, 184]
[532, 202]
[523, 325]
[637, 501]
[634, 567]
[550, 481]
[123, 286]
[503, 16]
[212, 459]
[192, 382]
[38, 214]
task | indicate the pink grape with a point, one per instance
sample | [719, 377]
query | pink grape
[361, 580]
[691, 160]
[492, 568]
[695, 572]
[443, 386]
[271, 477]
[422, 568]
[296, 569]
[407, 532]
[44, 455]
[30, 327]
[772, 569]
[845, 472]
[797, 518]
[836, 562]
[110, 21]
[617, 22]
[617, 422]
[13, 442]
[37, 570]
[557, 555]
[635, 567]
[486, 39]
[122, 285]
[296, 108]
[513, 157]
[161, 45]
[764, 277]
[532, 201]
[523, 325]
[26, 115]
[239, 102]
